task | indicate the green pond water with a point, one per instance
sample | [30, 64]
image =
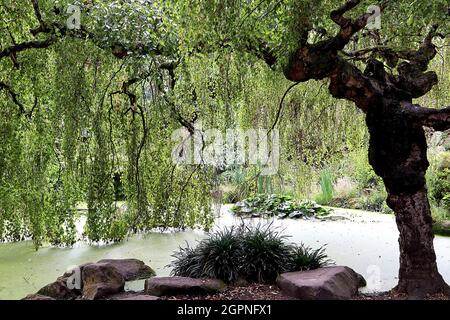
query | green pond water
[364, 241]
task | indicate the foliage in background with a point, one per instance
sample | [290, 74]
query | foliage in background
[326, 187]
[438, 180]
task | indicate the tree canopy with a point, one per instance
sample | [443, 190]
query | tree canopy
[82, 105]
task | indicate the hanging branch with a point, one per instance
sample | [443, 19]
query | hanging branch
[281, 107]
[13, 96]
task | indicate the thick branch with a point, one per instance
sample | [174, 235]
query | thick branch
[34, 44]
[338, 15]
[412, 76]
[321, 60]
[438, 119]
[348, 26]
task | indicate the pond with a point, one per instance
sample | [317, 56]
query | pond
[364, 241]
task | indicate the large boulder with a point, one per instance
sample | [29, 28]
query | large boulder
[66, 287]
[97, 280]
[329, 283]
[171, 286]
[101, 280]
[131, 269]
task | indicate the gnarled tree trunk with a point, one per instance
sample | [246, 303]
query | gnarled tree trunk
[398, 148]
[398, 154]
[418, 274]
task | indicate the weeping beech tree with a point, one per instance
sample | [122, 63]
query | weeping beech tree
[82, 105]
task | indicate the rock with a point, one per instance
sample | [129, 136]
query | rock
[170, 286]
[101, 280]
[36, 296]
[58, 290]
[141, 297]
[329, 283]
[97, 280]
[64, 288]
[131, 295]
[131, 269]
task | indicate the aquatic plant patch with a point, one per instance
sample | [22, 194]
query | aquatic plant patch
[280, 206]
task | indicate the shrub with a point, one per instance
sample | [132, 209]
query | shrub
[217, 256]
[231, 195]
[266, 254]
[257, 254]
[220, 255]
[305, 258]
[446, 202]
[187, 263]
[363, 172]
[438, 178]
[439, 214]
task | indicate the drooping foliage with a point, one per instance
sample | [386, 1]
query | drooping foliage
[79, 107]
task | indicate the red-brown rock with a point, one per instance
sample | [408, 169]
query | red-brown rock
[329, 283]
[171, 286]
[101, 280]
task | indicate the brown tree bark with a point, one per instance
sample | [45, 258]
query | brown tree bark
[398, 148]
[418, 274]
[398, 153]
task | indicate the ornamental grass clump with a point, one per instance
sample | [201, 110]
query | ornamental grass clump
[305, 258]
[218, 256]
[266, 253]
[254, 253]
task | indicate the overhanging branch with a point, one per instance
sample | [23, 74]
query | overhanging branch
[56, 31]
[438, 119]
[33, 44]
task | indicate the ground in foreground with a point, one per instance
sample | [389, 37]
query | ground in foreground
[272, 292]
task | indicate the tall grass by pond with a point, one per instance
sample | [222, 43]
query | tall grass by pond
[252, 253]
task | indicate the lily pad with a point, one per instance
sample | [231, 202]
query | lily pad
[278, 206]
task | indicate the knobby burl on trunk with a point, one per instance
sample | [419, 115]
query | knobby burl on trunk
[398, 148]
